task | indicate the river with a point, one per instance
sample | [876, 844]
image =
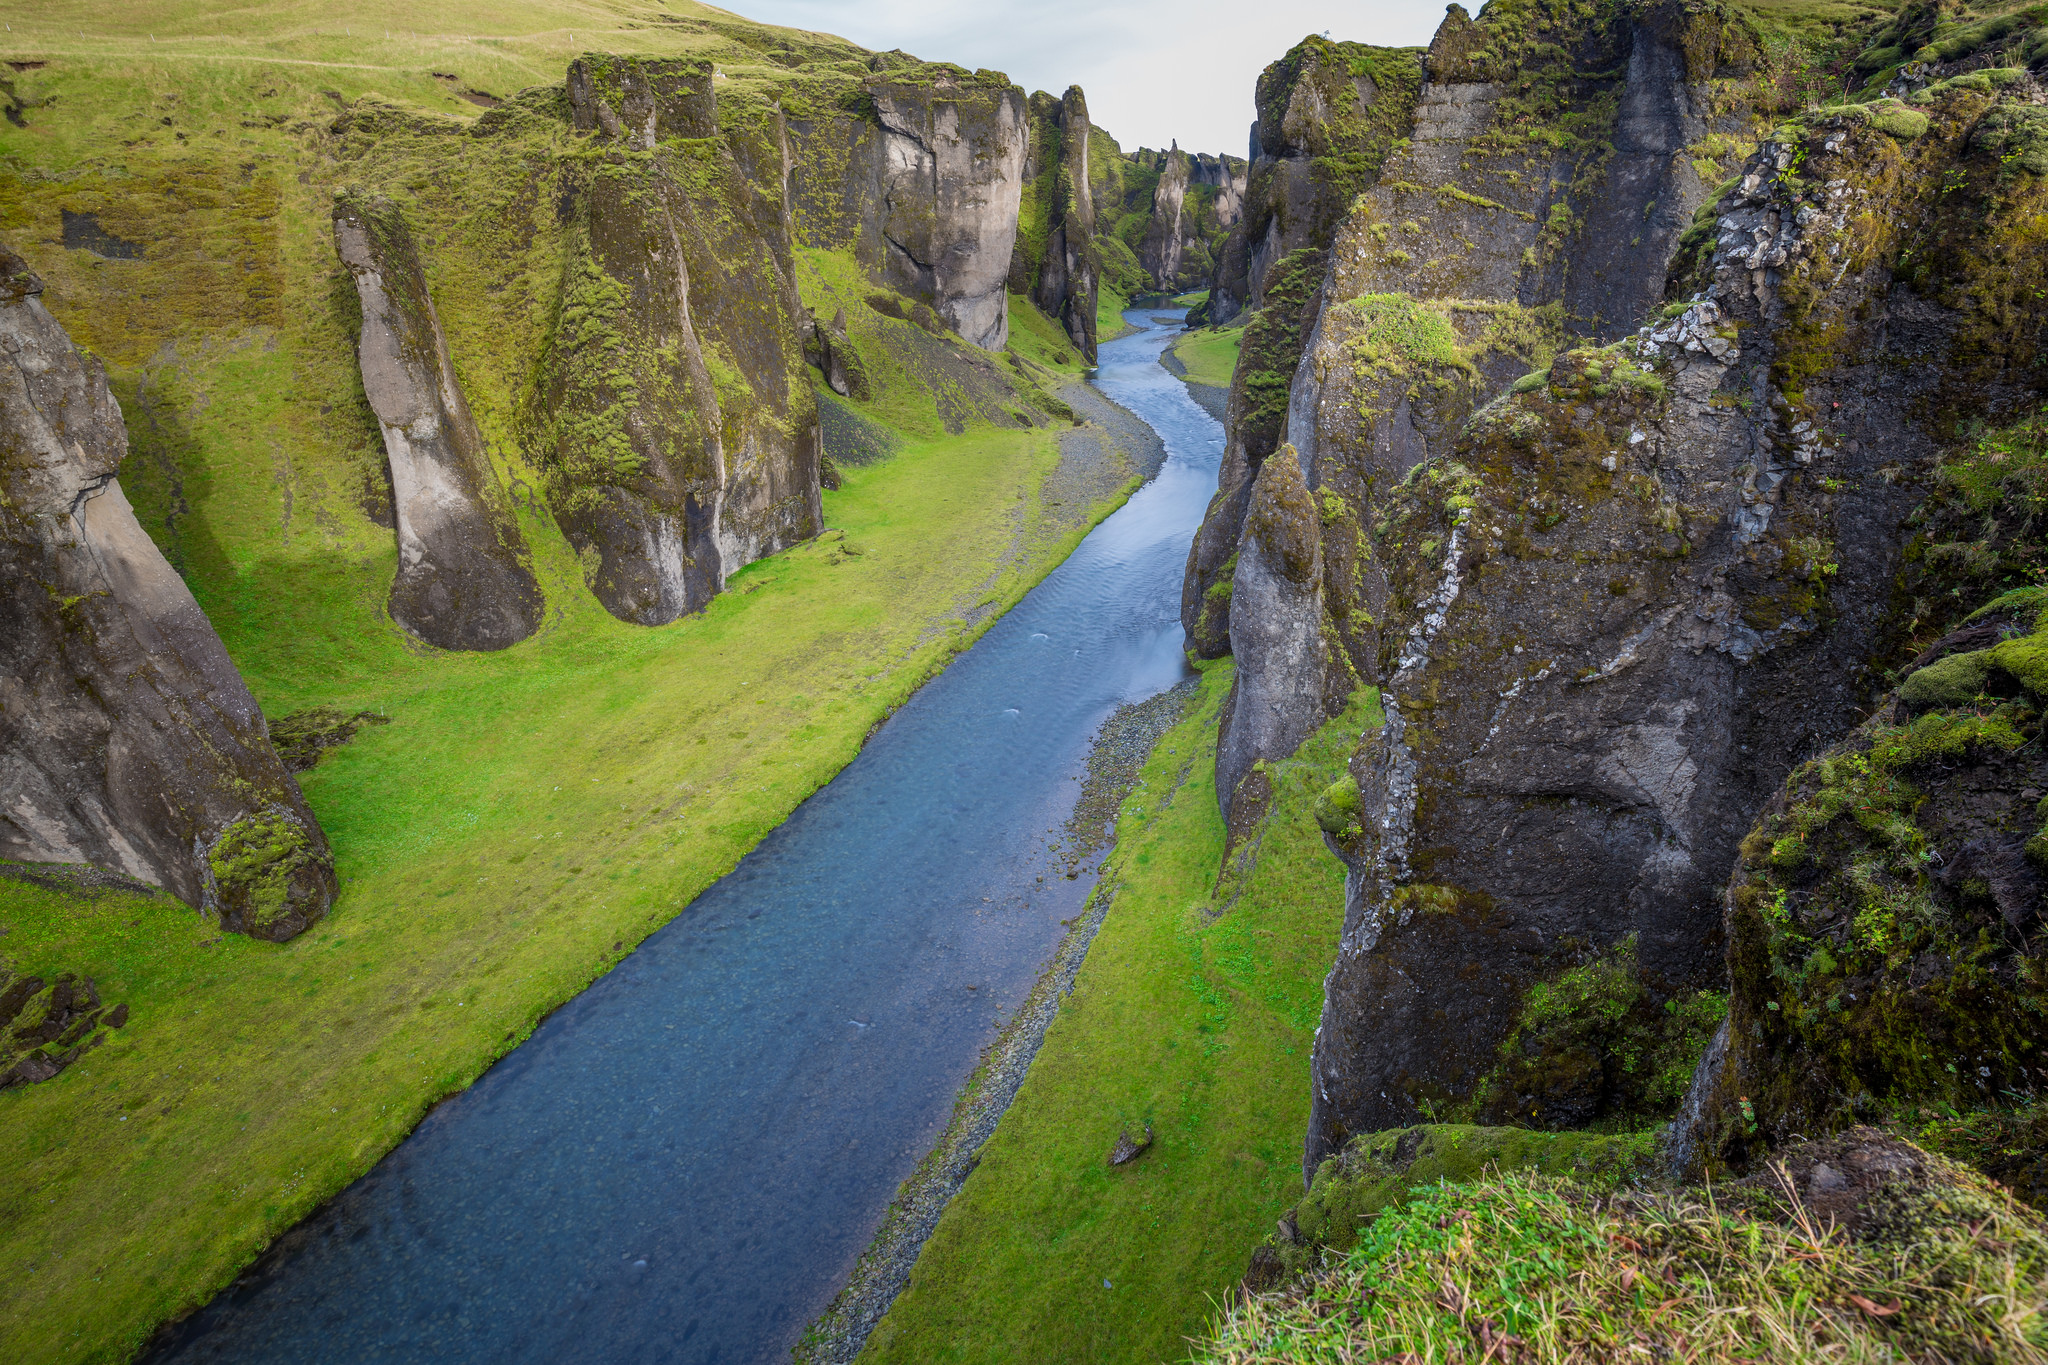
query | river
[683, 1162]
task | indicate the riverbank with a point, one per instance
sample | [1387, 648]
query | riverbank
[1115, 762]
[524, 820]
[1190, 1019]
[1204, 360]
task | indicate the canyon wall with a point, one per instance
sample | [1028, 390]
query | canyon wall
[463, 578]
[1598, 465]
[127, 738]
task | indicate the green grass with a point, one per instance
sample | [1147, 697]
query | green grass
[1191, 298]
[1210, 355]
[1109, 315]
[1526, 1267]
[1193, 1012]
[526, 818]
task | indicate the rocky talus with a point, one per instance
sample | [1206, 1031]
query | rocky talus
[463, 579]
[127, 738]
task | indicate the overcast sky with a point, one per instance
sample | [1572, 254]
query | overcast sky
[1154, 70]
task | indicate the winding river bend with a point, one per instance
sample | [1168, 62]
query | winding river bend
[683, 1163]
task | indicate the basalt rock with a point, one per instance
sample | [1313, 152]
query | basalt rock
[463, 577]
[1056, 262]
[127, 738]
[1328, 115]
[45, 1026]
[1637, 586]
[678, 428]
[923, 183]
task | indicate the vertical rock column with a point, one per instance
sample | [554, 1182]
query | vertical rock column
[463, 580]
[679, 431]
[127, 738]
[952, 165]
[1069, 284]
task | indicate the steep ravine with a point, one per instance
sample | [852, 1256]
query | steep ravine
[709, 1134]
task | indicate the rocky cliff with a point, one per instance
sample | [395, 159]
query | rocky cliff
[1196, 203]
[680, 432]
[1605, 604]
[127, 739]
[1328, 112]
[918, 166]
[1056, 262]
[463, 578]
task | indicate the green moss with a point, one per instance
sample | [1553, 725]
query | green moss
[1954, 681]
[1338, 807]
[2018, 135]
[256, 865]
[1595, 1046]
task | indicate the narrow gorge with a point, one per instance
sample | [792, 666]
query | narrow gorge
[677, 689]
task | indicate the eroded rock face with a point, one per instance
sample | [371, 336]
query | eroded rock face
[1064, 276]
[1348, 371]
[127, 738]
[665, 476]
[463, 578]
[1323, 130]
[952, 160]
[1632, 592]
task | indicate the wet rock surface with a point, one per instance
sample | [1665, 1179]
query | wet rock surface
[127, 738]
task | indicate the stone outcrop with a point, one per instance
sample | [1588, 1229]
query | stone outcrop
[127, 738]
[1056, 261]
[45, 1026]
[925, 187]
[1609, 611]
[676, 423]
[1196, 202]
[463, 577]
[1328, 114]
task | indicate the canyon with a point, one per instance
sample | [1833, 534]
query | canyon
[538, 582]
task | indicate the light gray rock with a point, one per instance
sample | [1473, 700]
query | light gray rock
[463, 579]
[127, 738]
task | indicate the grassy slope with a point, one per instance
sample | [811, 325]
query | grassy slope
[1211, 356]
[527, 816]
[1192, 1014]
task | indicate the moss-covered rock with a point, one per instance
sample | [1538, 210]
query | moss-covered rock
[1882, 924]
[127, 738]
[267, 876]
[464, 580]
[678, 426]
[1379, 1173]
[45, 1026]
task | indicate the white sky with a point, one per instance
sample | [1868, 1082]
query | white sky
[1154, 70]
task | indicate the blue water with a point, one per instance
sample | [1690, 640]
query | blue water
[683, 1163]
